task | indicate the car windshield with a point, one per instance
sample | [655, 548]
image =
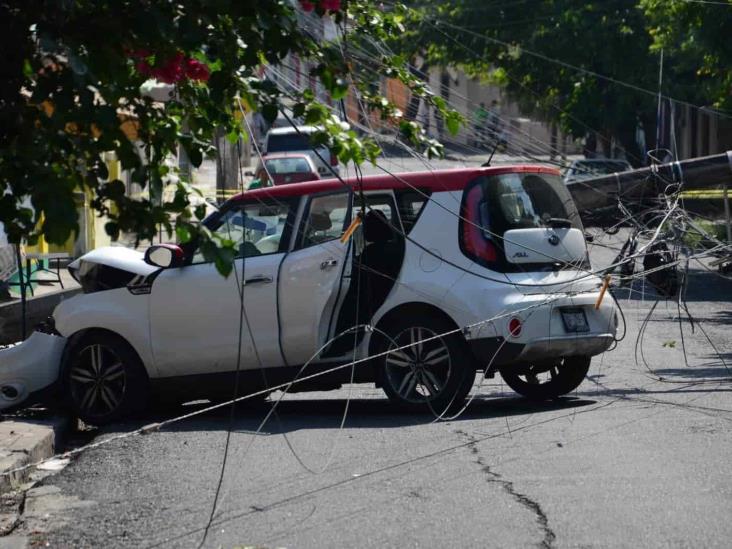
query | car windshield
[288, 142]
[287, 165]
[255, 229]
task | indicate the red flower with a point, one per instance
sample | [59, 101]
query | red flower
[307, 5]
[171, 71]
[144, 68]
[331, 5]
[195, 70]
[177, 68]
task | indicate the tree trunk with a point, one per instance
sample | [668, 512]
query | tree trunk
[227, 166]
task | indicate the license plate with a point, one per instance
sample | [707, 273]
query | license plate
[575, 321]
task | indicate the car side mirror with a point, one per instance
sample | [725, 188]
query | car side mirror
[164, 255]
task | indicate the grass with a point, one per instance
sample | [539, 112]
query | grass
[717, 229]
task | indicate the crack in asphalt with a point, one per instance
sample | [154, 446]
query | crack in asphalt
[508, 487]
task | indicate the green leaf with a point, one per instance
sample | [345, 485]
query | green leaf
[195, 156]
[27, 68]
[452, 120]
[183, 233]
[298, 110]
[270, 112]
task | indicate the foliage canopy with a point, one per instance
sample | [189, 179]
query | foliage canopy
[584, 64]
[73, 83]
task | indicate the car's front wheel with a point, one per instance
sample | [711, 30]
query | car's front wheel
[542, 380]
[104, 379]
[424, 368]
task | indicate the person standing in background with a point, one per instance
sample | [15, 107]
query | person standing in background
[480, 119]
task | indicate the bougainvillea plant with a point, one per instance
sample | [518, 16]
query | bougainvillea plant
[73, 73]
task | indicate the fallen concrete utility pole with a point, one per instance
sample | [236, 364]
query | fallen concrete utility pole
[695, 173]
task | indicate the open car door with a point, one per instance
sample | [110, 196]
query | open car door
[312, 276]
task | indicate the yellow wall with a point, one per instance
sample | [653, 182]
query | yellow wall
[91, 226]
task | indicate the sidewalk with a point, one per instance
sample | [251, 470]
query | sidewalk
[25, 441]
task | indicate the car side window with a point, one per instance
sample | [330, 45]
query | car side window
[384, 203]
[326, 219]
[411, 204]
[255, 229]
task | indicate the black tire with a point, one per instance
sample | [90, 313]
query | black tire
[104, 380]
[442, 370]
[548, 379]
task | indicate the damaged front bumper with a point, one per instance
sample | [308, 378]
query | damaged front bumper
[29, 368]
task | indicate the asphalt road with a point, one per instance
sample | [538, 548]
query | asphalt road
[639, 455]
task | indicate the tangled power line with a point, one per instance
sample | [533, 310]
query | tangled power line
[658, 237]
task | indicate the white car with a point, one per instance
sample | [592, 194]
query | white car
[588, 168]
[297, 140]
[456, 271]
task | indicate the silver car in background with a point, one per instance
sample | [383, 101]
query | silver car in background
[297, 140]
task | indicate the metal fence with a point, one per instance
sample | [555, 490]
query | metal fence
[8, 265]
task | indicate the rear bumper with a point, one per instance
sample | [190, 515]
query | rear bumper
[29, 368]
[555, 347]
[496, 351]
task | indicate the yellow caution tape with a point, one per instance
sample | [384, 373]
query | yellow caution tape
[600, 297]
[351, 229]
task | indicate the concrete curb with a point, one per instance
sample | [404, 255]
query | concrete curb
[27, 441]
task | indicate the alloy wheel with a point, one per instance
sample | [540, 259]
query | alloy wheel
[98, 380]
[535, 374]
[546, 379]
[418, 370]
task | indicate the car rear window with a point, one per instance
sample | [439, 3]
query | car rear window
[495, 204]
[287, 165]
[288, 142]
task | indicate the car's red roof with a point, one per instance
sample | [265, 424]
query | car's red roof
[436, 181]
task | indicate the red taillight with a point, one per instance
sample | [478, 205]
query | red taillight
[475, 242]
[333, 159]
[514, 327]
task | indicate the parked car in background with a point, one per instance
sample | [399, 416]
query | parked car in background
[588, 168]
[297, 140]
[457, 271]
[285, 168]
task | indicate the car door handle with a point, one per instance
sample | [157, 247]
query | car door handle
[258, 280]
[328, 263]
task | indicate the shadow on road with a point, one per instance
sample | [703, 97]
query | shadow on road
[303, 414]
[712, 373]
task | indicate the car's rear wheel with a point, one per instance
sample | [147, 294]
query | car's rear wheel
[425, 369]
[542, 380]
[104, 379]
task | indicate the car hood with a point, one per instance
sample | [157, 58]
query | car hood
[118, 257]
